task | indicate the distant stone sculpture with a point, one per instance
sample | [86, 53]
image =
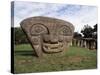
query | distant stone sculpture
[47, 35]
[89, 43]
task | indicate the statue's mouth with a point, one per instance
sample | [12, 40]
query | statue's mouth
[53, 47]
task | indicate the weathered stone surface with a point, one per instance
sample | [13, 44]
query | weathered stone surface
[47, 35]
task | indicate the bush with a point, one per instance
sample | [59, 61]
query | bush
[19, 36]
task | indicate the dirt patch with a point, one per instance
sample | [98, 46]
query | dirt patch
[75, 59]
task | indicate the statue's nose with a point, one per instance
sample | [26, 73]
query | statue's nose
[53, 38]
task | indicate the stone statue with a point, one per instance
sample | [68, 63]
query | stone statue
[47, 35]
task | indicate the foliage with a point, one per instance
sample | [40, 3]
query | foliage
[95, 28]
[95, 31]
[89, 32]
[77, 35]
[20, 36]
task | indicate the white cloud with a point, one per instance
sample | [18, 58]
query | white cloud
[78, 15]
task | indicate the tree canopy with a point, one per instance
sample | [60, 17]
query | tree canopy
[89, 32]
[20, 36]
[77, 35]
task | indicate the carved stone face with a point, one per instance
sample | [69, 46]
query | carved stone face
[48, 35]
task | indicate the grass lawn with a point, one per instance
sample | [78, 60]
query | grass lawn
[76, 58]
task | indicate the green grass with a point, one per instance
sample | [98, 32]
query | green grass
[75, 58]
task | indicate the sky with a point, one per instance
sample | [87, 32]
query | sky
[78, 15]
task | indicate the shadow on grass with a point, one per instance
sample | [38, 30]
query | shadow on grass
[25, 53]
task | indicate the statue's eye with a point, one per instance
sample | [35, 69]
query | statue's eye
[38, 29]
[65, 30]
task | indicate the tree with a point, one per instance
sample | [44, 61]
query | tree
[95, 28]
[77, 35]
[20, 36]
[95, 32]
[87, 31]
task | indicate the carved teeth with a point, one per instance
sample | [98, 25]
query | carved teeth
[53, 46]
[48, 47]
